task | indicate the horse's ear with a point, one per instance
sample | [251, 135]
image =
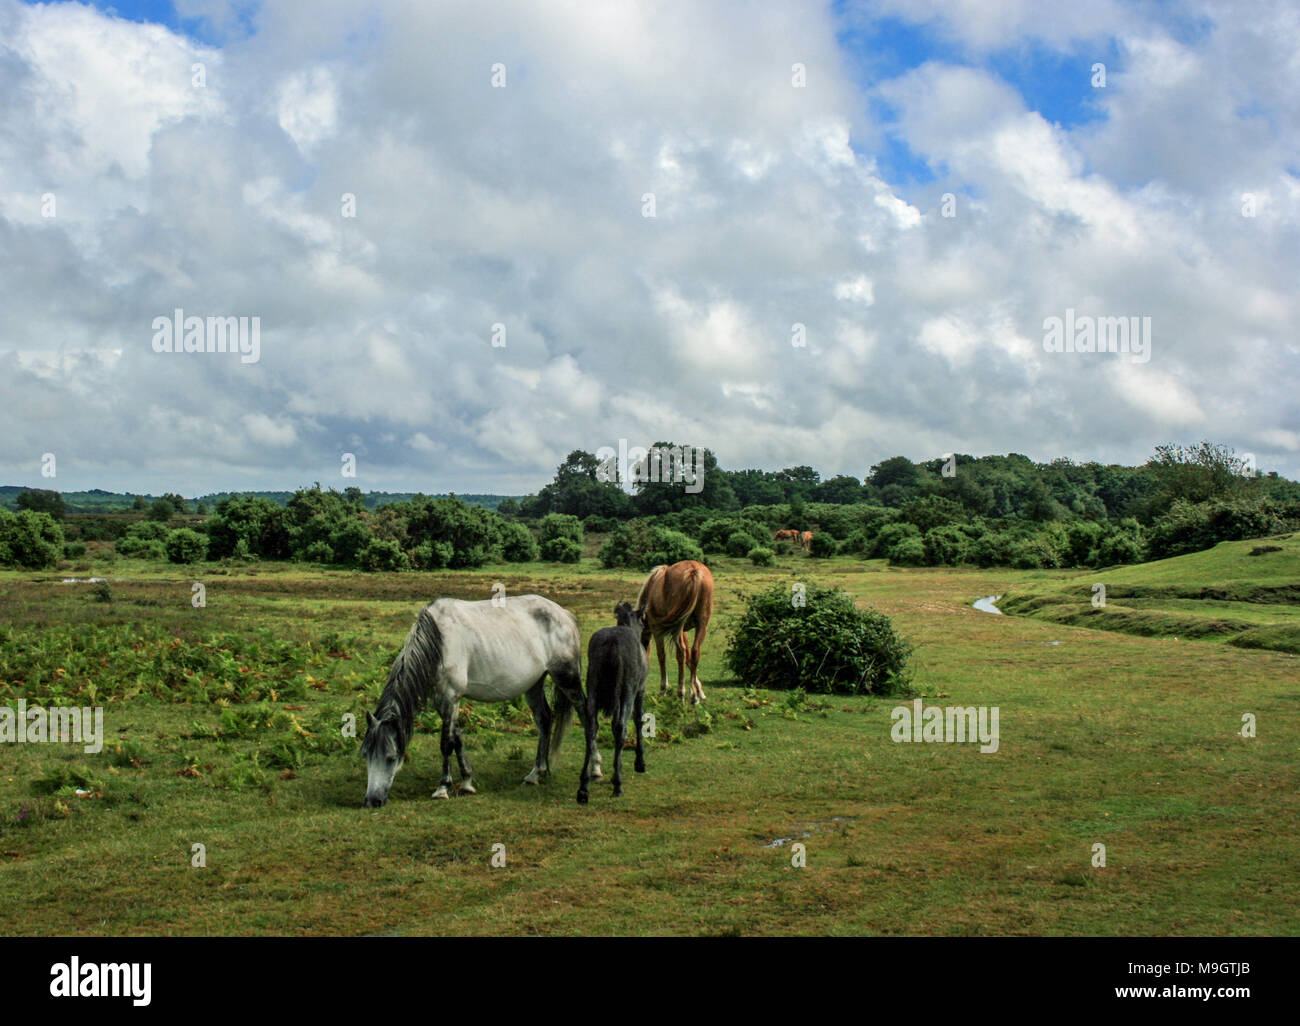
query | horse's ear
[371, 722]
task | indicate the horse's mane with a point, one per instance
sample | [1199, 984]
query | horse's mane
[412, 677]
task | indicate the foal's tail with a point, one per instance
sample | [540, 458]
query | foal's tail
[561, 716]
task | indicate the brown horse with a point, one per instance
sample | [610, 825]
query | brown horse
[788, 535]
[677, 599]
[806, 539]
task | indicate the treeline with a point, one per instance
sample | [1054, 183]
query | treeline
[99, 501]
[951, 511]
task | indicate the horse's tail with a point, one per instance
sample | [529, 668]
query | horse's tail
[561, 717]
[674, 618]
[655, 574]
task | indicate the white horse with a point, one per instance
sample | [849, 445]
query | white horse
[487, 651]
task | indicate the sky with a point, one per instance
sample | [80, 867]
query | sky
[474, 237]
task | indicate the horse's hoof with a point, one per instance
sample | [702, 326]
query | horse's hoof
[582, 797]
[441, 793]
[640, 767]
[466, 789]
[618, 792]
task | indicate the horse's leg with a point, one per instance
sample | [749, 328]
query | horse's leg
[569, 680]
[589, 734]
[697, 686]
[536, 699]
[663, 663]
[620, 739]
[639, 727]
[679, 643]
[466, 770]
[449, 712]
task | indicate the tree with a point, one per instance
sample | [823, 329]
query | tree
[161, 510]
[41, 500]
[1196, 473]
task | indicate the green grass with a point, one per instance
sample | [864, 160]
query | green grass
[1224, 594]
[224, 730]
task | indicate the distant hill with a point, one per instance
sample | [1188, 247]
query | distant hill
[99, 501]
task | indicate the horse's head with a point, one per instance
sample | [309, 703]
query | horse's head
[383, 751]
[626, 616]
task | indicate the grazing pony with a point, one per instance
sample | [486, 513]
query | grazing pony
[789, 535]
[617, 665]
[806, 540]
[677, 599]
[486, 651]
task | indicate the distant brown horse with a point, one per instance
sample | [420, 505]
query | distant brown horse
[677, 599]
[806, 539]
[788, 535]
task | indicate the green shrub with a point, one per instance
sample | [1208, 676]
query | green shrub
[824, 644]
[740, 544]
[148, 530]
[889, 536]
[945, 546]
[383, 554]
[318, 552]
[642, 546]
[909, 551]
[559, 525]
[141, 548]
[74, 550]
[186, 546]
[822, 545]
[518, 544]
[762, 557]
[561, 550]
[432, 555]
[31, 540]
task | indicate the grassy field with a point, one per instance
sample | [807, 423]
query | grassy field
[224, 729]
[1245, 593]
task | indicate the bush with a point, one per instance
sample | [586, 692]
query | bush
[142, 548]
[992, 549]
[945, 546]
[561, 550]
[383, 554]
[596, 524]
[318, 552]
[74, 550]
[909, 551]
[518, 544]
[890, 535]
[559, 525]
[186, 546]
[432, 555]
[148, 530]
[822, 545]
[642, 546]
[30, 540]
[825, 644]
[762, 557]
[741, 544]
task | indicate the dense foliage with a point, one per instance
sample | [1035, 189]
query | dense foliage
[818, 640]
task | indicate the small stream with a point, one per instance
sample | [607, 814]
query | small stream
[985, 604]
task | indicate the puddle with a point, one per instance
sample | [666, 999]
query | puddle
[806, 831]
[83, 580]
[985, 604]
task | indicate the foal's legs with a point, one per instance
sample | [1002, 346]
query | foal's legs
[620, 739]
[589, 727]
[639, 726]
[536, 699]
